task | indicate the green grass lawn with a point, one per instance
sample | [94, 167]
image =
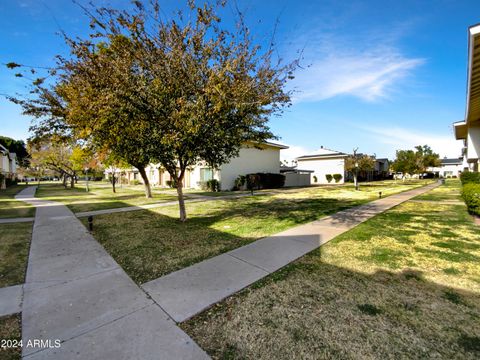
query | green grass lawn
[100, 196]
[10, 329]
[14, 246]
[405, 284]
[11, 208]
[450, 191]
[151, 243]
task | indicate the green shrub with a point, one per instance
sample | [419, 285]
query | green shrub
[239, 182]
[329, 177]
[265, 181]
[135, 182]
[10, 182]
[213, 185]
[467, 177]
[171, 183]
[471, 196]
[253, 181]
[315, 179]
[337, 177]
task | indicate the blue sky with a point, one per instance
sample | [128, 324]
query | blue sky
[377, 75]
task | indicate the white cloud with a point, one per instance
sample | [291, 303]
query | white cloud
[402, 139]
[293, 152]
[359, 65]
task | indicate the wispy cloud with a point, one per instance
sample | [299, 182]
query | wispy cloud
[367, 66]
[403, 139]
[293, 152]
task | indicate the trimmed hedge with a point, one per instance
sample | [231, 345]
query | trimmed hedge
[265, 181]
[468, 177]
[213, 185]
[329, 177]
[239, 182]
[471, 196]
[337, 177]
[11, 182]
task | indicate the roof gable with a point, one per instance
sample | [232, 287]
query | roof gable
[323, 153]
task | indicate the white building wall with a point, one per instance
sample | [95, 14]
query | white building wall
[13, 164]
[4, 163]
[195, 175]
[473, 145]
[322, 167]
[249, 160]
[152, 174]
[450, 170]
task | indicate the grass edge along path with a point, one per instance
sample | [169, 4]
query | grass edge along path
[359, 296]
[152, 243]
[11, 208]
[10, 329]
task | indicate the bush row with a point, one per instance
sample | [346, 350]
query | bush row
[330, 177]
[265, 181]
[468, 177]
[210, 185]
[259, 181]
[8, 181]
[471, 196]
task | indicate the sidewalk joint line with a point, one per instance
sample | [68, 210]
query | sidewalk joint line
[246, 262]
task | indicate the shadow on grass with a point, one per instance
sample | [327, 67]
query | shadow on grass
[11, 208]
[314, 308]
[149, 244]
[78, 200]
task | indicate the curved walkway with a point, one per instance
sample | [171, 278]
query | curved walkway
[76, 293]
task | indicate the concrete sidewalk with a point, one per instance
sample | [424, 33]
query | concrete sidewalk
[76, 293]
[11, 300]
[187, 292]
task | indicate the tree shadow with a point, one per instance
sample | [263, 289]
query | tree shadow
[314, 307]
[434, 320]
[149, 244]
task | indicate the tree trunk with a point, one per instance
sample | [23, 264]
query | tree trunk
[148, 190]
[72, 181]
[114, 181]
[181, 200]
[64, 180]
[355, 180]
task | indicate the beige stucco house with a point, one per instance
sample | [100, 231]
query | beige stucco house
[8, 165]
[468, 130]
[261, 158]
[323, 162]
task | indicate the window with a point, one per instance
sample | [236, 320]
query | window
[206, 174]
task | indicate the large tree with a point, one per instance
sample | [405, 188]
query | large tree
[173, 91]
[415, 161]
[53, 155]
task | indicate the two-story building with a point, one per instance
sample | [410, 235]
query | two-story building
[468, 130]
[8, 165]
